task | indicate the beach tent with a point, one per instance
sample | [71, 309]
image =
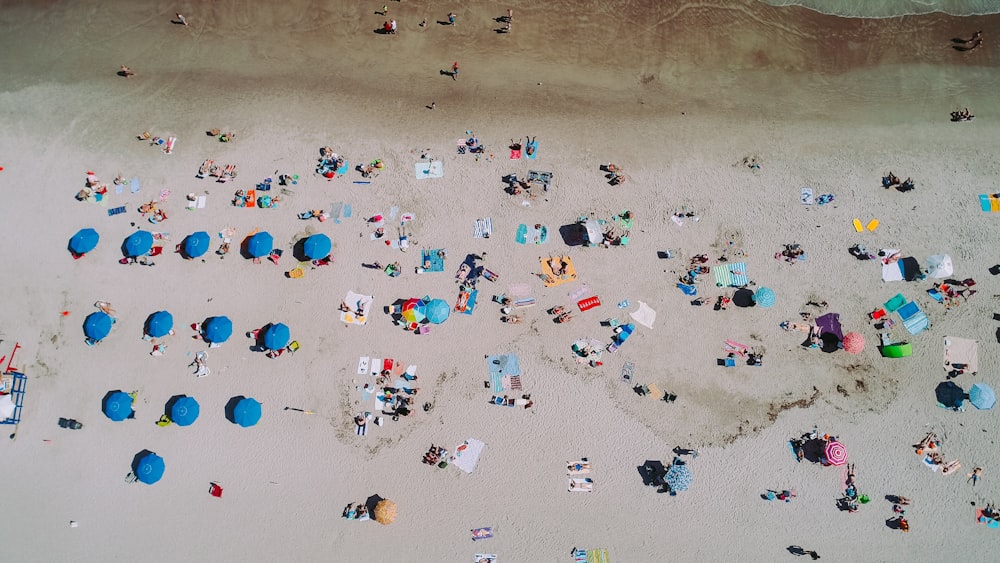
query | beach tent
[97, 325]
[982, 396]
[184, 411]
[437, 311]
[117, 405]
[84, 241]
[899, 350]
[260, 244]
[644, 315]
[939, 266]
[196, 244]
[138, 243]
[159, 324]
[247, 412]
[467, 454]
[216, 330]
[317, 246]
[949, 395]
[149, 468]
[277, 336]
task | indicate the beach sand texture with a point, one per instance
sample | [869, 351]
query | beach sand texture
[676, 93]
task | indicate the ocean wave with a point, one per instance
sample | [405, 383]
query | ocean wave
[893, 8]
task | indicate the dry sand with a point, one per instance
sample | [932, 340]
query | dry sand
[677, 94]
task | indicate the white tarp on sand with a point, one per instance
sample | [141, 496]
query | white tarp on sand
[644, 315]
[467, 454]
[356, 302]
[961, 351]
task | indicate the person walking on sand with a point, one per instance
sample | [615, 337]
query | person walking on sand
[392, 27]
[451, 18]
[510, 15]
[975, 475]
[454, 70]
[180, 19]
[126, 71]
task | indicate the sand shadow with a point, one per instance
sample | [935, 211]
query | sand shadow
[231, 408]
[574, 234]
[501, 31]
[138, 457]
[652, 473]
[444, 22]
[382, 31]
[448, 73]
[123, 74]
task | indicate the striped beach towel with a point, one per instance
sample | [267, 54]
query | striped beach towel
[577, 293]
[591, 556]
[731, 275]
[482, 228]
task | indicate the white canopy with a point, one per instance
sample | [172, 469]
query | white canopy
[939, 266]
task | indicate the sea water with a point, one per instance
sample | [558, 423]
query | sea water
[893, 8]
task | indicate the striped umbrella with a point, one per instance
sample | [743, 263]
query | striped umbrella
[835, 453]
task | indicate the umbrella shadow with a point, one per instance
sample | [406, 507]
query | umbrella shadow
[138, 457]
[743, 297]
[299, 250]
[231, 408]
[372, 502]
[652, 472]
[258, 343]
[107, 397]
[574, 234]
[168, 408]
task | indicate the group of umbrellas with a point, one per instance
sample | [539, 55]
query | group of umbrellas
[215, 330]
[951, 396]
[139, 243]
[419, 310]
[183, 410]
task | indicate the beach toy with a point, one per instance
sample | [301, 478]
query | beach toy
[863, 499]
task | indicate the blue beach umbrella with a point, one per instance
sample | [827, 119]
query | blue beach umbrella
[217, 330]
[277, 336]
[196, 244]
[247, 412]
[437, 311]
[150, 468]
[764, 297]
[97, 325]
[159, 324]
[184, 411]
[84, 241]
[118, 406]
[982, 396]
[138, 243]
[261, 244]
[678, 477]
[317, 246]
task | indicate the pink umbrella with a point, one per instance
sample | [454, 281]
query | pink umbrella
[835, 453]
[854, 342]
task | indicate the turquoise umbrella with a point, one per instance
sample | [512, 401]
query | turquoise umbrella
[982, 396]
[138, 243]
[261, 244]
[437, 311]
[764, 297]
[159, 324]
[247, 412]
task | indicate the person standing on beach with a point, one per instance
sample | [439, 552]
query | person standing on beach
[975, 475]
[454, 70]
[451, 18]
[180, 19]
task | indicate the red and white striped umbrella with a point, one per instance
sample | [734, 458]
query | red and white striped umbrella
[835, 453]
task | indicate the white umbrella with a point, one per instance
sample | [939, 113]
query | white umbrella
[939, 266]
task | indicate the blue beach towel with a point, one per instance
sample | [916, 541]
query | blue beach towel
[499, 366]
[133, 185]
[534, 150]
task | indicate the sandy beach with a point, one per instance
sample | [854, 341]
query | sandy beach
[680, 95]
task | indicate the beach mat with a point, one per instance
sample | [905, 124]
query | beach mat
[467, 454]
[500, 365]
[807, 196]
[133, 185]
[961, 351]
[589, 303]
[534, 153]
[482, 228]
[425, 170]
[731, 275]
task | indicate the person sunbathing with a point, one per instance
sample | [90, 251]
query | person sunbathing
[126, 71]
[907, 185]
[511, 319]
[796, 326]
[147, 208]
[557, 310]
[531, 144]
[564, 318]
[578, 466]
[158, 216]
[557, 266]
[890, 180]
[515, 146]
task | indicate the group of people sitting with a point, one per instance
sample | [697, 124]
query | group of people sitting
[561, 314]
[615, 174]
[329, 162]
[370, 170]
[962, 115]
[791, 254]
[244, 199]
[891, 180]
[156, 215]
[435, 455]
[356, 511]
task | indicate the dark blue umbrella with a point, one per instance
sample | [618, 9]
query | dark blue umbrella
[150, 468]
[97, 325]
[217, 330]
[277, 336]
[184, 411]
[84, 241]
[196, 244]
[159, 324]
[118, 406]
[261, 244]
[437, 311]
[247, 412]
[317, 246]
[138, 243]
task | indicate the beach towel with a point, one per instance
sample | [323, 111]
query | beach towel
[133, 185]
[913, 318]
[363, 364]
[591, 556]
[466, 302]
[116, 211]
[858, 227]
[595, 347]
[579, 484]
[348, 211]
[628, 371]
[500, 365]
[579, 467]
[534, 150]
[430, 261]
[482, 533]
[989, 203]
[467, 454]
[485, 558]
[733, 347]
[830, 324]
[962, 351]
[535, 234]
[589, 303]
[731, 275]
[990, 522]
[482, 228]
[895, 303]
[357, 301]
[807, 196]
[644, 315]
[549, 277]
[577, 293]
[425, 170]
[515, 154]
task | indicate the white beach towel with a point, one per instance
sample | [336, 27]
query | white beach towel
[482, 228]
[425, 170]
[961, 351]
[467, 455]
[644, 315]
[807, 196]
[355, 301]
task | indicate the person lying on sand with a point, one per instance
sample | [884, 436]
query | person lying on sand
[890, 180]
[977, 36]
[972, 47]
[796, 326]
[126, 71]
[963, 115]
[511, 319]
